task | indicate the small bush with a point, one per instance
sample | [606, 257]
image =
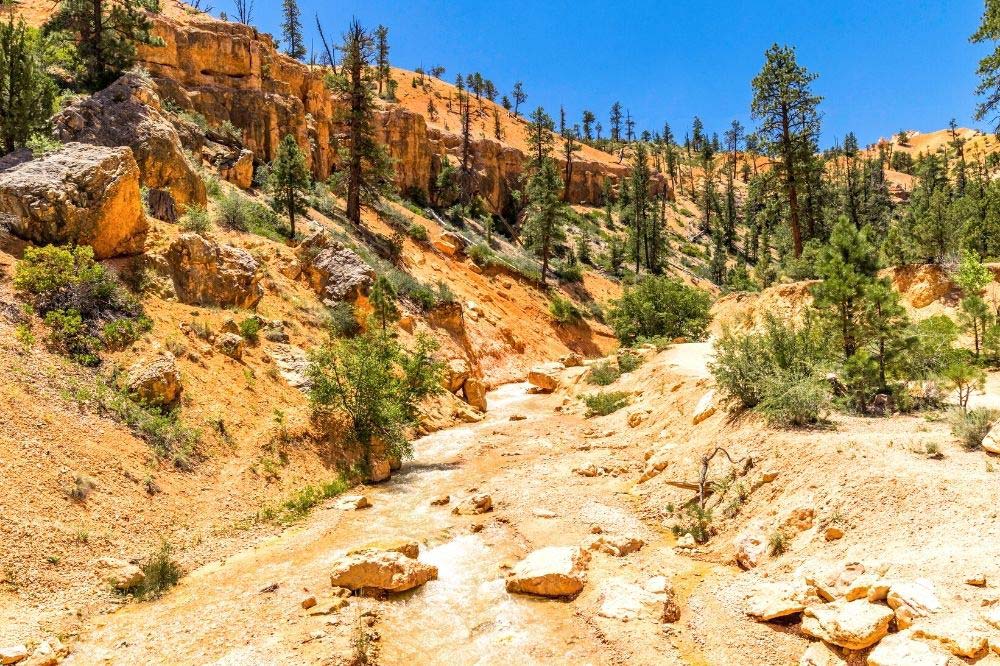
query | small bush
[697, 523]
[81, 489]
[418, 232]
[602, 404]
[564, 311]
[84, 306]
[603, 374]
[482, 255]
[250, 329]
[660, 306]
[628, 362]
[570, 272]
[777, 544]
[795, 401]
[343, 321]
[161, 573]
[971, 427]
[240, 213]
[212, 185]
[196, 219]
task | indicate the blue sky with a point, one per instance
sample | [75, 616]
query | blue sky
[883, 65]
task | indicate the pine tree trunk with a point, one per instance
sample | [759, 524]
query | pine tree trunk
[790, 183]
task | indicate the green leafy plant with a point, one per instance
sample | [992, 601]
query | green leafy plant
[564, 311]
[604, 403]
[604, 373]
[660, 307]
[196, 219]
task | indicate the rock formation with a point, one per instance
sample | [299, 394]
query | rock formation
[206, 273]
[80, 194]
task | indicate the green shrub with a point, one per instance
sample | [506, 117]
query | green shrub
[343, 321]
[971, 427]
[195, 219]
[250, 329]
[628, 362]
[795, 401]
[697, 522]
[563, 310]
[602, 404]
[481, 254]
[160, 573]
[213, 187]
[603, 374]
[84, 305]
[570, 272]
[660, 306]
[241, 213]
[418, 232]
[377, 384]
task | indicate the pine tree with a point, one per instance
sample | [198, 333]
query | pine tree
[540, 136]
[382, 298]
[847, 268]
[975, 314]
[291, 28]
[989, 67]
[588, 122]
[571, 146]
[368, 174]
[885, 320]
[520, 97]
[616, 122]
[382, 68]
[26, 91]
[105, 33]
[638, 208]
[787, 109]
[546, 213]
[289, 180]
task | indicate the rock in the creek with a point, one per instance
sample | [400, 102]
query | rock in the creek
[902, 650]
[155, 381]
[854, 625]
[13, 654]
[616, 545]
[352, 502]
[546, 376]
[79, 194]
[705, 408]
[686, 541]
[120, 574]
[821, 654]
[410, 549]
[475, 393]
[384, 570]
[750, 547]
[621, 600]
[381, 470]
[773, 600]
[550, 572]
[474, 505]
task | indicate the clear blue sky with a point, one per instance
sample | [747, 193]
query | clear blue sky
[883, 65]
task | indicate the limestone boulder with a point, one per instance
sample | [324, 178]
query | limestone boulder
[750, 547]
[231, 345]
[821, 654]
[120, 574]
[155, 381]
[550, 572]
[657, 460]
[129, 113]
[207, 273]
[625, 601]
[615, 545]
[351, 503]
[474, 505]
[475, 393]
[546, 376]
[775, 600]
[911, 600]
[293, 365]
[333, 271]
[854, 625]
[958, 634]
[79, 194]
[705, 408]
[382, 570]
[903, 650]
[457, 371]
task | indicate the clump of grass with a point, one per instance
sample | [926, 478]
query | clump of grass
[196, 220]
[564, 311]
[604, 403]
[697, 522]
[628, 362]
[81, 489]
[777, 544]
[250, 329]
[301, 502]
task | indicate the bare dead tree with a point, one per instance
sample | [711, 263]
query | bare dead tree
[244, 11]
[329, 52]
[703, 483]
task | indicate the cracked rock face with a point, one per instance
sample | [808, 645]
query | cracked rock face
[79, 194]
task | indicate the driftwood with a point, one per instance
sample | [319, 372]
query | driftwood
[746, 463]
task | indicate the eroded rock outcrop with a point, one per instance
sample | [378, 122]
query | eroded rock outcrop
[333, 271]
[80, 194]
[129, 113]
[155, 381]
[207, 273]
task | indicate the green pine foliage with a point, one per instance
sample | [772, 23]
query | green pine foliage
[289, 181]
[660, 307]
[27, 93]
